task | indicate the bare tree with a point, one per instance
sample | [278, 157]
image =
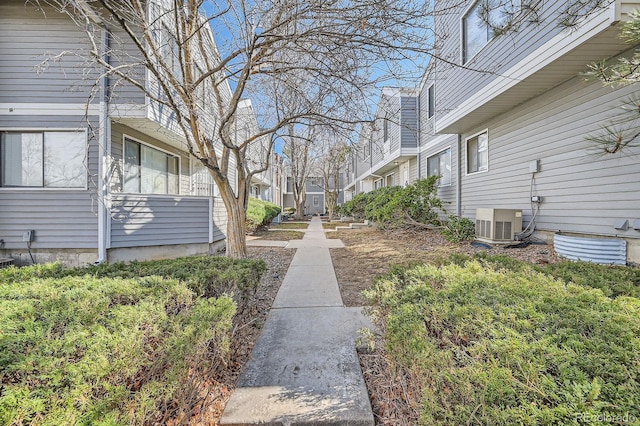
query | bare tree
[268, 50]
[299, 160]
[334, 150]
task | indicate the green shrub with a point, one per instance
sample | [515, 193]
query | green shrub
[499, 347]
[260, 213]
[398, 206]
[614, 281]
[207, 276]
[459, 229]
[355, 208]
[102, 351]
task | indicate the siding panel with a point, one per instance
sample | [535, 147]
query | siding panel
[219, 219]
[146, 221]
[500, 54]
[28, 37]
[583, 190]
[409, 122]
[62, 219]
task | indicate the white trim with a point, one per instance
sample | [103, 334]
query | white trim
[431, 114]
[18, 108]
[178, 156]
[129, 111]
[546, 54]
[466, 153]
[40, 188]
[462, 40]
[450, 168]
[43, 130]
[430, 144]
[117, 195]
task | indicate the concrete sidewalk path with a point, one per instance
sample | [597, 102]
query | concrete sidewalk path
[304, 369]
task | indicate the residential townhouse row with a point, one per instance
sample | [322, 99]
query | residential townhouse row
[505, 121]
[87, 179]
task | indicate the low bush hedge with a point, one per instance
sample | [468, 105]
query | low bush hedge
[206, 276]
[496, 346]
[84, 349]
[397, 206]
[260, 213]
[614, 281]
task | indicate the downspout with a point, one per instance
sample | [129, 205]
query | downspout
[418, 137]
[459, 178]
[103, 150]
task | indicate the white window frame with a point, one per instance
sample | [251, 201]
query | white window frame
[316, 201]
[376, 183]
[192, 169]
[466, 153]
[386, 178]
[52, 130]
[431, 101]
[463, 59]
[385, 129]
[173, 154]
[438, 154]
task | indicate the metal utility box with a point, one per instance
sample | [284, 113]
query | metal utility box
[498, 225]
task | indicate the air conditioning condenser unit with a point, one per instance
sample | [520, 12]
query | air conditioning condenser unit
[498, 225]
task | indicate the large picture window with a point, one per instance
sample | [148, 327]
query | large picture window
[483, 21]
[478, 153]
[440, 165]
[43, 159]
[148, 170]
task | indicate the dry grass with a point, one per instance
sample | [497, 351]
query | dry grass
[290, 225]
[278, 235]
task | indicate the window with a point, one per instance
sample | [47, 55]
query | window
[377, 184]
[478, 153]
[432, 101]
[389, 180]
[483, 21]
[366, 148]
[385, 130]
[316, 201]
[43, 159]
[148, 170]
[440, 165]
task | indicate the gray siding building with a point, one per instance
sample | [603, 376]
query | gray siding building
[93, 178]
[387, 152]
[507, 119]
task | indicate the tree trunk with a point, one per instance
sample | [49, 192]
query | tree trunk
[331, 203]
[236, 232]
[300, 208]
[236, 242]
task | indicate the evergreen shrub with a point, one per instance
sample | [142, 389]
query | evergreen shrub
[83, 349]
[498, 346]
[260, 213]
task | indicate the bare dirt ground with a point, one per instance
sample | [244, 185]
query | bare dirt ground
[369, 253]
